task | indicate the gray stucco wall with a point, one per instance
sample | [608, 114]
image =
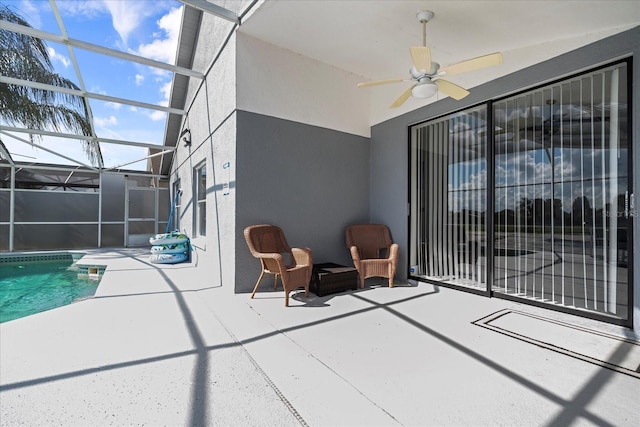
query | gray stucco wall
[389, 140]
[310, 181]
[211, 120]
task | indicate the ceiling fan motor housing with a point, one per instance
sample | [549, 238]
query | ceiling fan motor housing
[425, 16]
[433, 72]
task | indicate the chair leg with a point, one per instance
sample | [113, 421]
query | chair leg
[257, 283]
[275, 282]
[391, 274]
[286, 298]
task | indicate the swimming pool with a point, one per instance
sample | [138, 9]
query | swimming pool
[34, 283]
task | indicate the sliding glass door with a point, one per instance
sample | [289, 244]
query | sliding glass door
[448, 199]
[529, 197]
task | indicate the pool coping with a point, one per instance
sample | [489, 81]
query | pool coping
[89, 269]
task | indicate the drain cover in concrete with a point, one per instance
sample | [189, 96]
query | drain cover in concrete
[610, 351]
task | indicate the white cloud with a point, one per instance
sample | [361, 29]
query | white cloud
[125, 16]
[166, 92]
[116, 155]
[105, 121]
[98, 90]
[69, 148]
[86, 8]
[164, 49]
[161, 115]
[139, 79]
[160, 75]
[55, 56]
[157, 116]
[113, 105]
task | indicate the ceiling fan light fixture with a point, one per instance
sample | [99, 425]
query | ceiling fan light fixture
[424, 90]
[424, 70]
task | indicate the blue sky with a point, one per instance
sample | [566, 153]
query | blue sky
[148, 28]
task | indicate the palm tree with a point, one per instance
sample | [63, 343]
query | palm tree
[25, 57]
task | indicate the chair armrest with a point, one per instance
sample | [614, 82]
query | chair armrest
[355, 255]
[302, 256]
[273, 261]
[393, 251]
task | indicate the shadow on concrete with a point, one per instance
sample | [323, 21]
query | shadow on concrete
[573, 409]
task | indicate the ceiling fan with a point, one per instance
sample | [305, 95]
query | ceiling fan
[427, 74]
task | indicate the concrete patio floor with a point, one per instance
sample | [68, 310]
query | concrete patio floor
[163, 345]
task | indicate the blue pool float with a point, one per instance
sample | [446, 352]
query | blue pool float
[171, 248]
[169, 258]
[168, 238]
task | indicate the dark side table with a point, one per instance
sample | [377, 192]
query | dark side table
[330, 278]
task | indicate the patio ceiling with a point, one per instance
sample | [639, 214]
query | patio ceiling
[372, 39]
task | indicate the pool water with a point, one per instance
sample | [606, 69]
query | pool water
[32, 287]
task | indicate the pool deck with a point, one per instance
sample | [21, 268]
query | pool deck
[165, 345]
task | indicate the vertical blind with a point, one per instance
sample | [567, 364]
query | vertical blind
[448, 198]
[562, 205]
[561, 190]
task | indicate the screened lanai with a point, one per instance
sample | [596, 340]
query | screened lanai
[133, 133]
[247, 83]
[108, 186]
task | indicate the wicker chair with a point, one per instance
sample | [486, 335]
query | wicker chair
[293, 265]
[373, 251]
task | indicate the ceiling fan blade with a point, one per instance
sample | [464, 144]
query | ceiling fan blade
[380, 82]
[474, 64]
[421, 56]
[452, 89]
[402, 98]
